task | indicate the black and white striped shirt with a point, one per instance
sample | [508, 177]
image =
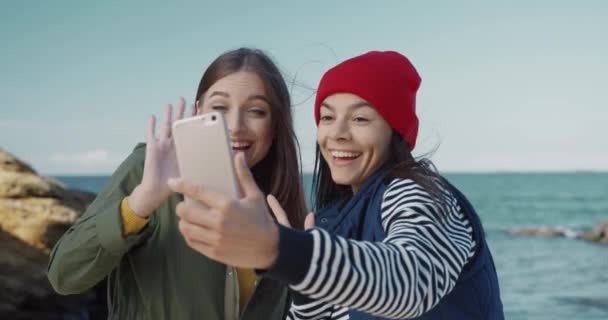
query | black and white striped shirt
[403, 276]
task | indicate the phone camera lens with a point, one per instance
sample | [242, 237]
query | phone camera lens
[212, 118]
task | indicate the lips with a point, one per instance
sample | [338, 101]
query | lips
[344, 155]
[241, 145]
[342, 158]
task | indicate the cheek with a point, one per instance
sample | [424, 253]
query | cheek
[373, 148]
[381, 154]
[381, 149]
[203, 109]
[322, 142]
[262, 130]
[321, 135]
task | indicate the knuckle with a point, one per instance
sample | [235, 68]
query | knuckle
[222, 223]
[229, 205]
[179, 207]
[198, 191]
[184, 212]
[184, 228]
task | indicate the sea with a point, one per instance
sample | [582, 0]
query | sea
[540, 278]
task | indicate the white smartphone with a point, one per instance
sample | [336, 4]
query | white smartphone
[204, 154]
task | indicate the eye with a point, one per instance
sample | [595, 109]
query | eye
[360, 120]
[326, 118]
[219, 108]
[258, 112]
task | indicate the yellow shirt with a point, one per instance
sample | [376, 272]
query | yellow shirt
[132, 224]
[246, 285]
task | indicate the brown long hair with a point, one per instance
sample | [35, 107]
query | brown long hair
[279, 172]
[401, 164]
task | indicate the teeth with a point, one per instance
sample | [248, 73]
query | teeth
[344, 154]
[240, 144]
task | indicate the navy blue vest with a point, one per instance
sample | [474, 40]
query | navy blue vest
[476, 294]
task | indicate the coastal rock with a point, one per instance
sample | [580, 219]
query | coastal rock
[544, 232]
[34, 212]
[10, 163]
[598, 233]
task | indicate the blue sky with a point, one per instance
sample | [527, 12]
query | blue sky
[515, 86]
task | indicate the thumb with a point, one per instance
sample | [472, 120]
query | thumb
[277, 210]
[248, 185]
[309, 222]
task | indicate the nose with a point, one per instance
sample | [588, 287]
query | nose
[234, 120]
[340, 130]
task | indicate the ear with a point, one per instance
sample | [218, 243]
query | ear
[197, 107]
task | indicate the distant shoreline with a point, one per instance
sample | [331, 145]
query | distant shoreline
[567, 172]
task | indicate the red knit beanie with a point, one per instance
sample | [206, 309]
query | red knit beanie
[385, 79]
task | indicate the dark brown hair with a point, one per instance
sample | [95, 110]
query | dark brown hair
[401, 164]
[279, 172]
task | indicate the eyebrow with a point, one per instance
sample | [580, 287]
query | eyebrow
[227, 95]
[352, 106]
[219, 93]
[258, 97]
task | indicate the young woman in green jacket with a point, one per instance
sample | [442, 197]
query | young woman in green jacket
[129, 235]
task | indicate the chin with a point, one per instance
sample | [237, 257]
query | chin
[342, 180]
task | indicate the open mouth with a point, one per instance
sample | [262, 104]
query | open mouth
[344, 155]
[240, 145]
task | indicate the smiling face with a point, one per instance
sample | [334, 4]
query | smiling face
[241, 96]
[353, 138]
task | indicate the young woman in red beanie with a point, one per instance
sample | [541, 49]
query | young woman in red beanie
[393, 238]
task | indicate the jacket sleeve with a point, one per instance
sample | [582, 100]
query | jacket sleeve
[95, 244]
[404, 276]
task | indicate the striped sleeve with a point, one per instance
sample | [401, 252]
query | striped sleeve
[403, 276]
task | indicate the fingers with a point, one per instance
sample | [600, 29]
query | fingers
[200, 193]
[181, 108]
[150, 134]
[196, 215]
[309, 222]
[277, 210]
[194, 232]
[167, 120]
[196, 224]
[246, 180]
